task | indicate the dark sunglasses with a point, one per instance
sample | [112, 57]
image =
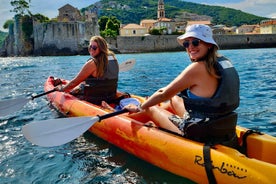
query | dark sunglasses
[194, 42]
[93, 47]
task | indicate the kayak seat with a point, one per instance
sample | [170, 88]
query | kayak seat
[221, 130]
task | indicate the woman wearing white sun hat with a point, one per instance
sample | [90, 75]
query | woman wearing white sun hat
[200, 31]
[206, 91]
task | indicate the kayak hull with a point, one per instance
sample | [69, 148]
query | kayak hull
[174, 153]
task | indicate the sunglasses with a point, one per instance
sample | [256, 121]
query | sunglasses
[194, 42]
[93, 47]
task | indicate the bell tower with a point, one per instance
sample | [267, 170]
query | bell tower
[161, 9]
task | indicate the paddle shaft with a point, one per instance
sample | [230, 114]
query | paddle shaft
[42, 94]
[112, 114]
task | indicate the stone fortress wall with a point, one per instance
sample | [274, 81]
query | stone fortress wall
[63, 38]
[154, 43]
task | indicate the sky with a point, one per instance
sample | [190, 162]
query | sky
[49, 8]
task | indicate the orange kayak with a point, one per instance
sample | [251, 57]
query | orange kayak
[174, 153]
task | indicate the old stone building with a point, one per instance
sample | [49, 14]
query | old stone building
[69, 36]
[68, 13]
[247, 29]
[148, 23]
[133, 30]
[268, 27]
[169, 25]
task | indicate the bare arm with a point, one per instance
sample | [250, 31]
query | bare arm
[88, 69]
[186, 79]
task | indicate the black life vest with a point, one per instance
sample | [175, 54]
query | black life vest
[97, 89]
[218, 121]
[226, 98]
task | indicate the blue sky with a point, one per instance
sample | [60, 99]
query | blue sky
[49, 8]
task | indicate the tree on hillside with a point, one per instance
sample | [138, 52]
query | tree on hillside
[114, 24]
[144, 9]
[109, 26]
[102, 22]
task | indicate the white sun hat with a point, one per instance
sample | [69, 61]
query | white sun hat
[199, 31]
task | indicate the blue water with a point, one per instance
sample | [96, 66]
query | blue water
[89, 159]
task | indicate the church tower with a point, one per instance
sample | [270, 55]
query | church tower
[161, 9]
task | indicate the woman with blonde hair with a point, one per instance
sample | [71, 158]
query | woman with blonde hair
[98, 78]
[201, 100]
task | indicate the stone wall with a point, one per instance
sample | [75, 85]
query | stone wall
[244, 41]
[151, 43]
[154, 43]
[63, 38]
[50, 39]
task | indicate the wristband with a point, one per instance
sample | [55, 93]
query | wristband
[139, 108]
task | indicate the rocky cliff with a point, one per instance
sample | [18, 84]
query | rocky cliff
[50, 39]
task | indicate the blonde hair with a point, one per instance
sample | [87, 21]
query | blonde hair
[101, 60]
[211, 61]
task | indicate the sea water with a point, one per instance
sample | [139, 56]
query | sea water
[89, 159]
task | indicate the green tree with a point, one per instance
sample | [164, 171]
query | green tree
[20, 6]
[7, 24]
[109, 26]
[147, 9]
[41, 18]
[114, 24]
[155, 31]
[102, 22]
[109, 33]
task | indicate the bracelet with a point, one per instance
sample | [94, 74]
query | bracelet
[139, 108]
